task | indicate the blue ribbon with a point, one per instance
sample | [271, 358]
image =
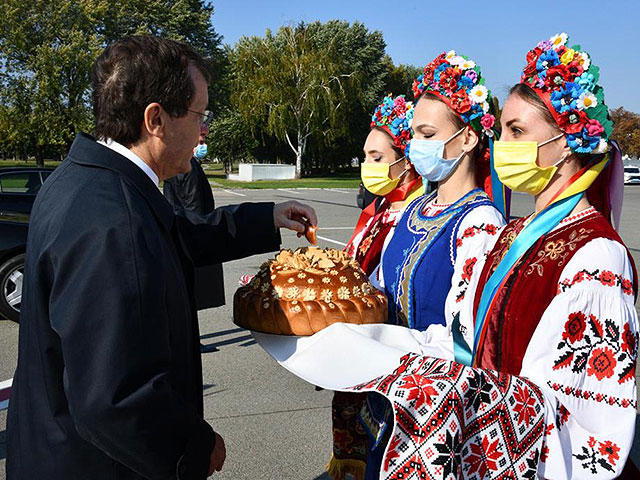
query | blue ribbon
[542, 224]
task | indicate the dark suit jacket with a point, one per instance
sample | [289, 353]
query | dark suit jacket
[109, 378]
[191, 191]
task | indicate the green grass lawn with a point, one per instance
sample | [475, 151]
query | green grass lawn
[217, 178]
[13, 163]
[347, 179]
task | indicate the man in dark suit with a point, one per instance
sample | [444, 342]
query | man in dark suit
[109, 378]
[191, 191]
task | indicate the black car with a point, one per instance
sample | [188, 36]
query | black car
[18, 189]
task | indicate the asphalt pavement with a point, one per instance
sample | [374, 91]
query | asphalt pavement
[276, 426]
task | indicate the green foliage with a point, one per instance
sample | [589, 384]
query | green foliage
[230, 139]
[47, 48]
[626, 131]
[289, 84]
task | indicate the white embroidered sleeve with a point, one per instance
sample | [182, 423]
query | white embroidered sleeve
[583, 355]
[476, 236]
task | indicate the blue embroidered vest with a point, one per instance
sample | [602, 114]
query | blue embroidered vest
[418, 262]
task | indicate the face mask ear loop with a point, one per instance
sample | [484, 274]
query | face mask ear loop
[397, 161]
[550, 140]
[454, 135]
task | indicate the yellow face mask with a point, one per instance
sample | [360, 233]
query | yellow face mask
[375, 177]
[517, 167]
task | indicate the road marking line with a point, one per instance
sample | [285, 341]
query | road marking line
[332, 241]
[235, 193]
[288, 191]
[336, 190]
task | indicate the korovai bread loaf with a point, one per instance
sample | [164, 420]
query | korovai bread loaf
[301, 292]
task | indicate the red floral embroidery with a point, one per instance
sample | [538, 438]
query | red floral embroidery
[420, 390]
[574, 328]
[605, 456]
[545, 454]
[602, 363]
[629, 340]
[608, 278]
[600, 348]
[596, 397]
[392, 451]
[467, 270]
[605, 277]
[609, 450]
[469, 232]
[483, 457]
[524, 405]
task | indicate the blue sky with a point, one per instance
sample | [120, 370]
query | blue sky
[496, 34]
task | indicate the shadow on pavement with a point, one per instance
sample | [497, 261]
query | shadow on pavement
[213, 347]
[3, 445]
[324, 476]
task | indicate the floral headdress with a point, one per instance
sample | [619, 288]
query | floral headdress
[566, 80]
[394, 115]
[457, 80]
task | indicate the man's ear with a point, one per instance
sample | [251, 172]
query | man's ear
[470, 138]
[155, 119]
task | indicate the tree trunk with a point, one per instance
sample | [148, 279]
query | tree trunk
[299, 152]
[39, 156]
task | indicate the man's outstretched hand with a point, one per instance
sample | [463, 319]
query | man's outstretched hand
[294, 216]
[217, 456]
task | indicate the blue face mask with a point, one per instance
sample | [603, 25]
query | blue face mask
[426, 157]
[200, 151]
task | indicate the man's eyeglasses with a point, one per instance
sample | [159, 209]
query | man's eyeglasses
[207, 116]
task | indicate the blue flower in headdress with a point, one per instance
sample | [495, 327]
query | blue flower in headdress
[587, 81]
[465, 82]
[582, 143]
[565, 98]
[547, 59]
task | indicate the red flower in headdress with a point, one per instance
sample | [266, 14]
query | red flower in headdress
[573, 121]
[533, 55]
[557, 75]
[449, 80]
[460, 101]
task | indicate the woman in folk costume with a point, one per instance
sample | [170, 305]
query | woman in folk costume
[546, 387]
[386, 172]
[447, 231]
[441, 237]
[555, 302]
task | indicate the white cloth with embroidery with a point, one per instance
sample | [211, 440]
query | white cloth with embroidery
[582, 357]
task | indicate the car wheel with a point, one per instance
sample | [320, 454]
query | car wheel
[11, 275]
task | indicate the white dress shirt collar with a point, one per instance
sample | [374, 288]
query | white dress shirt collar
[125, 152]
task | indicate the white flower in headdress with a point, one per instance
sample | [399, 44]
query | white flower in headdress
[456, 60]
[558, 40]
[467, 64]
[485, 106]
[478, 94]
[585, 60]
[450, 54]
[586, 100]
[603, 147]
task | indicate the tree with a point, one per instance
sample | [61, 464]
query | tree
[361, 52]
[47, 48]
[288, 82]
[230, 139]
[626, 131]
[400, 78]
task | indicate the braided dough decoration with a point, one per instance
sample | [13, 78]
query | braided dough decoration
[302, 292]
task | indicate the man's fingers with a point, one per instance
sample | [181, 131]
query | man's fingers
[293, 225]
[307, 212]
